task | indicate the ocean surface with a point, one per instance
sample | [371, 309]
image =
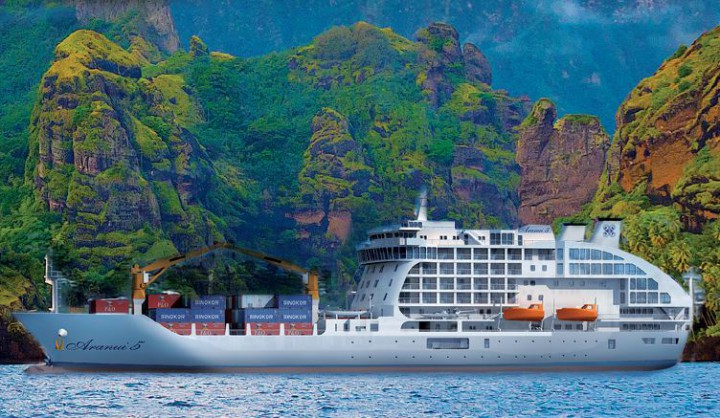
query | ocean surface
[684, 390]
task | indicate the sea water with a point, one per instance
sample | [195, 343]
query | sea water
[683, 390]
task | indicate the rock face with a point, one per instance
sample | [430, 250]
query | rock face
[668, 137]
[561, 162]
[443, 58]
[112, 154]
[477, 67]
[334, 173]
[151, 19]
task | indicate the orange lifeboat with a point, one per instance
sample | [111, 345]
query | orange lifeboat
[588, 312]
[534, 313]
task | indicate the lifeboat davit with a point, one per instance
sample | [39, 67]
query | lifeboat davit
[588, 312]
[534, 313]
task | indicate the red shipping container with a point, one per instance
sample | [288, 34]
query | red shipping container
[210, 328]
[181, 328]
[299, 328]
[263, 328]
[163, 300]
[110, 306]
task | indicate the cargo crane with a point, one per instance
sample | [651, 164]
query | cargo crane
[142, 277]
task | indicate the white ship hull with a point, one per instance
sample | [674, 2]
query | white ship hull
[130, 342]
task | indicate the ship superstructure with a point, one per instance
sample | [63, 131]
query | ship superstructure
[432, 295]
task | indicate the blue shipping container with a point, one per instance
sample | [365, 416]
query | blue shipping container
[209, 302]
[295, 315]
[294, 302]
[172, 315]
[207, 315]
[260, 315]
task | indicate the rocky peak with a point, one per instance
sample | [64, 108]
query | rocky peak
[477, 67]
[442, 38]
[441, 56]
[334, 172]
[561, 162]
[668, 129]
[150, 19]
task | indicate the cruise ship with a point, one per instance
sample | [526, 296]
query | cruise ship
[431, 296]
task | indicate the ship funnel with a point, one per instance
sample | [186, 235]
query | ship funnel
[572, 232]
[421, 207]
[607, 232]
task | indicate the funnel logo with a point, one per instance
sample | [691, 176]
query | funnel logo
[609, 231]
[60, 344]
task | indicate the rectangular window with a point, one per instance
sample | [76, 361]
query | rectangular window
[447, 268]
[429, 268]
[507, 238]
[480, 298]
[652, 297]
[596, 255]
[447, 283]
[560, 268]
[574, 254]
[464, 298]
[497, 284]
[447, 298]
[515, 269]
[481, 283]
[619, 269]
[648, 340]
[514, 254]
[611, 344]
[544, 268]
[652, 284]
[464, 283]
[429, 283]
[446, 253]
[480, 253]
[487, 343]
[448, 343]
[497, 254]
[494, 238]
[429, 298]
[664, 298]
[480, 268]
[497, 268]
[607, 269]
[532, 267]
[463, 253]
[463, 268]
[595, 268]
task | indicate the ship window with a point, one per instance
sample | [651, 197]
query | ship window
[630, 269]
[540, 298]
[642, 297]
[532, 282]
[481, 283]
[463, 253]
[486, 343]
[574, 254]
[557, 327]
[448, 343]
[429, 283]
[494, 238]
[446, 253]
[480, 298]
[463, 283]
[390, 283]
[560, 254]
[529, 297]
[668, 341]
[607, 256]
[532, 267]
[463, 268]
[642, 284]
[648, 340]
[514, 254]
[429, 298]
[652, 284]
[480, 268]
[515, 269]
[617, 257]
[596, 255]
[556, 283]
[447, 268]
[385, 297]
[447, 283]
[497, 254]
[429, 268]
[595, 268]
[396, 267]
[622, 298]
[497, 268]
[497, 298]
[652, 297]
[611, 344]
[411, 283]
[520, 240]
[633, 297]
[568, 327]
[607, 269]
[447, 298]
[507, 238]
[463, 298]
[544, 268]
[362, 298]
[664, 297]
[560, 268]
[480, 253]
[618, 269]
[582, 283]
[376, 283]
[415, 269]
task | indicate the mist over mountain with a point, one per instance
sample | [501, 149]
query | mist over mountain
[583, 55]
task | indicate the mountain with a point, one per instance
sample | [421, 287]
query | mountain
[662, 170]
[584, 55]
[560, 160]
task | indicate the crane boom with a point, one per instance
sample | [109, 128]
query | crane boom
[142, 277]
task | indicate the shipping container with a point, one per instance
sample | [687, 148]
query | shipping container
[171, 315]
[304, 328]
[253, 301]
[260, 315]
[264, 328]
[110, 306]
[294, 315]
[181, 328]
[210, 328]
[209, 302]
[207, 315]
[163, 300]
[294, 302]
